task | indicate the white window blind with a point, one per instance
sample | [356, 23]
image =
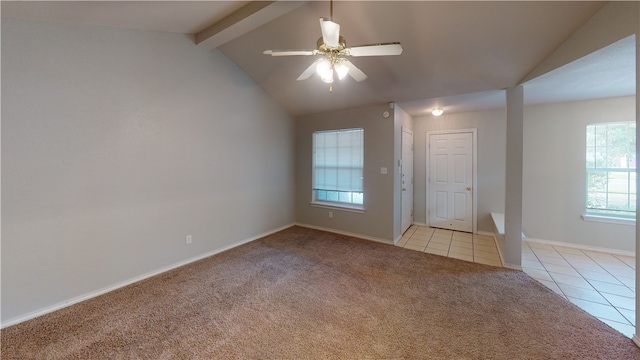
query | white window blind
[338, 159]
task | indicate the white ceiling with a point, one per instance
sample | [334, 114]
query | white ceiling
[457, 55]
[608, 72]
[186, 17]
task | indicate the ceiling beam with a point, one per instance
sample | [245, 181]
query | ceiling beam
[245, 19]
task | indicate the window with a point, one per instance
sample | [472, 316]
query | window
[611, 169]
[338, 158]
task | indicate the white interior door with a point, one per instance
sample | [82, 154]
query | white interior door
[407, 179]
[450, 181]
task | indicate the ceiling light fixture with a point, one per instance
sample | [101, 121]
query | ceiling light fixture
[437, 112]
[326, 67]
[342, 70]
[325, 70]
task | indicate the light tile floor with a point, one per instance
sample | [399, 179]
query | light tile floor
[601, 284]
[460, 245]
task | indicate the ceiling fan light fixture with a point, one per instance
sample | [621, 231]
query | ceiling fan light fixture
[335, 52]
[325, 70]
[323, 67]
[328, 77]
[437, 112]
[342, 70]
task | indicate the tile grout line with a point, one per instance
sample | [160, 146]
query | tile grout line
[554, 280]
[627, 322]
[472, 241]
[607, 271]
[566, 296]
[587, 280]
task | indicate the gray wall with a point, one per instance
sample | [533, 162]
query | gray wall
[116, 144]
[491, 125]
[554, 185]
[378, 220]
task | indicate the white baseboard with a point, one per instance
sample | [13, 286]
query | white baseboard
[420, 224]
[384, 241]
[395, 241]
[582, 247]
[636, 340]
[512, 267]
[90, 295]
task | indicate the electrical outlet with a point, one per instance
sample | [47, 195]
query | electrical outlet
[330, 214]
[187, 240]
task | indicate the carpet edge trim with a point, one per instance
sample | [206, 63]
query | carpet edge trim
[96, 293]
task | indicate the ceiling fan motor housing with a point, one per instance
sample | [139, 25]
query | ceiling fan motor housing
[322, 47]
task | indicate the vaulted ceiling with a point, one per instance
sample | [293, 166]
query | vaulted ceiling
[459, 51]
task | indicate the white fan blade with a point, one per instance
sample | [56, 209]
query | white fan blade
[355, 73]
[289, 52]
[376, 50]
[310, 70]
[330, 32]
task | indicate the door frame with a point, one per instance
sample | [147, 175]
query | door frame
[408, 131]
[474, 156]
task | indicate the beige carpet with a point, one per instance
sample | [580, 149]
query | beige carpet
[307, 294]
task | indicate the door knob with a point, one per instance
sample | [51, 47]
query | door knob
[403, 189]
[468, 187]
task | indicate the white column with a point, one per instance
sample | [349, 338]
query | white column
[636, 337]
[513, 184]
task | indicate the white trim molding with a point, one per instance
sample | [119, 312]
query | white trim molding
[365, 237]
[337, 206]
[582, 247]
[608, 219]
[93, 294]
[395, 241]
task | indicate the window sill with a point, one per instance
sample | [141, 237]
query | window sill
[345, 207]
[609, 219]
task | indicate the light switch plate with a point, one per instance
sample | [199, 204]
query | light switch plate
[383, 170]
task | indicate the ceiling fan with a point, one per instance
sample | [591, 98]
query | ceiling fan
[334, 49]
